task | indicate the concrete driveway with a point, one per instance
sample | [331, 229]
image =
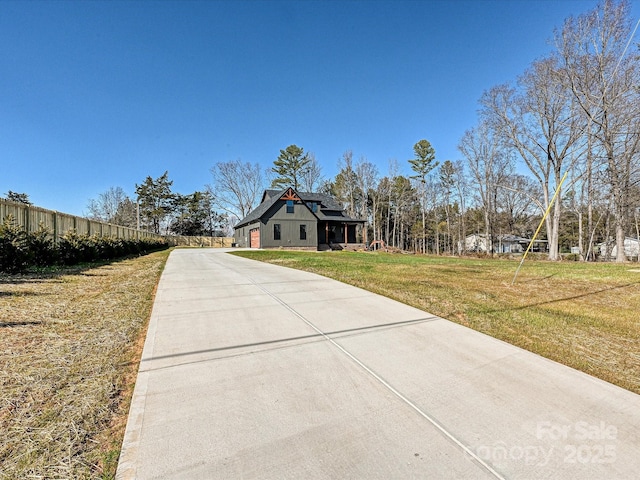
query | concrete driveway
[252, 370]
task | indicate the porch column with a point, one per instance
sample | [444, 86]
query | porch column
[346, 230]
[326, 233]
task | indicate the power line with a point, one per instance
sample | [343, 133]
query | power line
[624, 52]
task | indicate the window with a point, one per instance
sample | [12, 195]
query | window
[313, 206]
[303, 232]
[276, 231]
[289, 206]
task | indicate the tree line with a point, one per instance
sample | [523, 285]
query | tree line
[574, 112]
[158, 209]
[155, 208]
[577, 111]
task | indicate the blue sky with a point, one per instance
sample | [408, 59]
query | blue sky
[96, 94]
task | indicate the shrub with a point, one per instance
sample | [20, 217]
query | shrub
[14, 253]
[147, 245]
[75, 248]
[19, 250]
[42, 250]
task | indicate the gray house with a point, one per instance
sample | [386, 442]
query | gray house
[299, 220]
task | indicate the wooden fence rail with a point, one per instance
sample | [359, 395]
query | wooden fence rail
[30, 218]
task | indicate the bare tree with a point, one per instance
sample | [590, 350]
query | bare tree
[446, 182]
[312, 178]
[462, 188]
[604, 82]
[403, 200]
[539, 120]
[367, 178]
[345, 185]
[518, 199]
[451, 186]
[490, 164]
[236, 187]
[386, 188]
[381, 210]
[113, 206]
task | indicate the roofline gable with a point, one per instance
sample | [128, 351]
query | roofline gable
[326, 203]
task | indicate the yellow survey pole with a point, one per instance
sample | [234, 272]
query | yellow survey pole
[540, 226]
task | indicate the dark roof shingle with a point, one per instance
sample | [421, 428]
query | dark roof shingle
[329, 209]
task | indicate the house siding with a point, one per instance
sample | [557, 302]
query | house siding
[300, 212]
[242, 235]
[290, 227]
[289, 234]
[239, 236]
[273, 211]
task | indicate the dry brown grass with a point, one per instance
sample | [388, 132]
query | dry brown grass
[69, 341]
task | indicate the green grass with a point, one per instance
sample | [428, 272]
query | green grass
[584, 315]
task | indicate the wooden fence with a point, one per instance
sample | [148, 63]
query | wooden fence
[30, 218]
[219, 242]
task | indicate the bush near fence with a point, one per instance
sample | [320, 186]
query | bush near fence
[64, 239]
[20, 250]
[31, 219]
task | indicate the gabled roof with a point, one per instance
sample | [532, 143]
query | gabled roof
[513, 238]
[327, 202]
[329, 208]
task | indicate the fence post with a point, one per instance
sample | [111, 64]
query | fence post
[55, 227]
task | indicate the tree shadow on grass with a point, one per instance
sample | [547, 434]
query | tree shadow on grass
[18, 293]
[564, 299]
[19, 324]
[538, 279]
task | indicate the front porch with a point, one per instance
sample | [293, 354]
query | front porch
[342, 235]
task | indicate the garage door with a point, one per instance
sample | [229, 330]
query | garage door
[255, 238]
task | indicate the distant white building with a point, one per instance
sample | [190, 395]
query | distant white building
[609, 251]
[477, 242]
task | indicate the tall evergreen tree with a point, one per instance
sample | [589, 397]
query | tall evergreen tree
[18, 197]
[290, 167]
[422, 164]
[156, 201]
[424, 160]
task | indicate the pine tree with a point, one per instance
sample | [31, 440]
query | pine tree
[422, 164]
[290, 166]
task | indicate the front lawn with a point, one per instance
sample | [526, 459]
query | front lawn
[584, 315]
